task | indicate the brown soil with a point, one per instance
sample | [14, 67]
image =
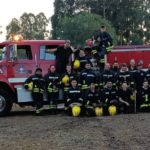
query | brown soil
[24, 131]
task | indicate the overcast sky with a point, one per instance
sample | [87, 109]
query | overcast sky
[15, 8]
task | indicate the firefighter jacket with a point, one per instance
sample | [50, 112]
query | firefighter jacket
[147, 75]
[74, 95]
[132, 69]
[71, 76]
[38, 83]
[92, 97]
[108, 95]
[83, 60]
[124, 76]
[144, 97]
[107, 75]
[139, 76]
[105, 40]
[87, 76]
[125, 95]
[52, 82]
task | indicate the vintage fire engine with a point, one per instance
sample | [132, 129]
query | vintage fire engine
[19, 60]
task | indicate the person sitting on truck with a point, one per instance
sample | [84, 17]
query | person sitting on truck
[52, 79]
[36, 84]
[104, 45]
[63, 55]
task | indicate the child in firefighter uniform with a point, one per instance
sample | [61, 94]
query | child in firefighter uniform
[126, 99]
[52, 84]
[92, 103]
[36, 84]
[143, 98]
[110, 99]
[74, 101]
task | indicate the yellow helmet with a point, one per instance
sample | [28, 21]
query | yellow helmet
[65, 79]
[133, 97]
[112, 110]
[99, 111]
[76, 64]
[76, 111]
[30, 86]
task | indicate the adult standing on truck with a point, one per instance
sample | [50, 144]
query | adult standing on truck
[63, 55]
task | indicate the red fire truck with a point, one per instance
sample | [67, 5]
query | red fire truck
[18, 60]
[123, 54]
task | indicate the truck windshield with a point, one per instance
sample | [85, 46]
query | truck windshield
[2, 52]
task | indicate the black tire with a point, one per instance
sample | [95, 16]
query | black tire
[5, 103]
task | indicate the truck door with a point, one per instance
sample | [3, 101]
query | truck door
[47, 57]
[21, 63]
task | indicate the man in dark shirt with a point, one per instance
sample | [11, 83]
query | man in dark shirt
[63, 54]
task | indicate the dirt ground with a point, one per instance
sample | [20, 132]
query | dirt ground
[24, 131]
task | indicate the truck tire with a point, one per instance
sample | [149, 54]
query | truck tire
[5, 103]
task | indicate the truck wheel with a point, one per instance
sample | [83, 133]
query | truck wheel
[5, 103]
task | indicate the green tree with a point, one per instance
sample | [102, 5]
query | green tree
[13, 27]
[29, 25]
[82, 26]
[127, 16]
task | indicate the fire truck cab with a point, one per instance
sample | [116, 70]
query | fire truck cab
[18, 61]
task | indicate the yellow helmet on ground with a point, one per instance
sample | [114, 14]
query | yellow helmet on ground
[65, 79]
[76, 110]
[99, 111]
[76, 64]
[112, 110]
[30, 86]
